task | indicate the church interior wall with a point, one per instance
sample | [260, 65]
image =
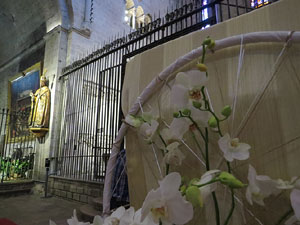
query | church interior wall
[61, 33]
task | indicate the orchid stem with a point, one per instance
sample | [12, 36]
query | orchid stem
[206, 150]
[165, 144]
[206, 143]
[284, 217]
[198, 128]
[167, 168]
[209, 109]
[203, 53]
[232, 199]
[207, 168]
[207, 183]
[231, 209]
[162, 140]
[216, 208]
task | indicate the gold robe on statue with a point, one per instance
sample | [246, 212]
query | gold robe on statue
[40, 108]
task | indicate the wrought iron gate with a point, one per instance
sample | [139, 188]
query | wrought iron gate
[92, 85]
[17, 146]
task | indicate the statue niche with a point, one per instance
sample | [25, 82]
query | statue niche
[38, 120]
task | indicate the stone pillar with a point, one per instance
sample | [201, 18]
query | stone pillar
[54, 60]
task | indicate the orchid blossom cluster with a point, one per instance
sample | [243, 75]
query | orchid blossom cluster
[175, 200]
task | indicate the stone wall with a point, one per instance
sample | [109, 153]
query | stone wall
[82, 191]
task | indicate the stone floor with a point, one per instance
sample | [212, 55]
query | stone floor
[34, 210]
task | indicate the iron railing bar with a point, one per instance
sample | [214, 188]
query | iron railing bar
[74, 130]
[81, 117]
[92, 122]
[133, 41]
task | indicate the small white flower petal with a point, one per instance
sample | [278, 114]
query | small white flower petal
[242, 153]
[127, 217]
[51, 222]
[118, 213]
[172, 146]
[295, 201]
[196, 78]
[200, 117]
[153, 197]
[149, 130]
[179, 210]
[266, 185]
[251, 174]
[98, 220]
[258, 200]
[137, 217]
[182, 79]
[73, 220]
[170, 184]
[179, 127]
[228, 156]
[223, 142]
[179, 97]
[167, 135]
[174, 156]
[249, 195]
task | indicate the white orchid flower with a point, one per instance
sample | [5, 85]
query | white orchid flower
[148, 130]
[98, 220]
[284, 185]
[187, 88]
[134, 218]
[178, 127]
[168, 136]
[295, 201]
[233, 149]
[259, 187]
[133, 120]
[74, 220]
[174, 156]
[128, 217]
[51, 222]
[166, 203]
[115, 217]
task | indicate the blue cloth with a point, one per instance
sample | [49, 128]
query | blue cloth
[120, 182]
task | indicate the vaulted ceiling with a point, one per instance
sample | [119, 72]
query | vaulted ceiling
[22, 24]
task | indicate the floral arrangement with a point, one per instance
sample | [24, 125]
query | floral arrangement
[15, 167]
[176, 200]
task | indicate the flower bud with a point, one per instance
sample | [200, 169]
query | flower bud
[186, 112]
[202, 67]
[197, 105]
[207, 41]
[212, 44]
[193, 181]
[183, 189]
[176, 114]
[212, 122]
[147, 117]
[193, 195]
[229, 180]
[226, 111]
[134, 121]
